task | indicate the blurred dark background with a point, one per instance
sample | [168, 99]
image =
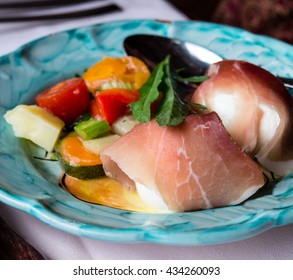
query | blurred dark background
[268, 17]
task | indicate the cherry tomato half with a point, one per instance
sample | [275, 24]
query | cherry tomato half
[67, 100]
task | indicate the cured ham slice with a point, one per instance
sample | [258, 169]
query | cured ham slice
[192, 166]
[256, 109]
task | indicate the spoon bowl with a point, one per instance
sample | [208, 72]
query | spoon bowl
[191, 59]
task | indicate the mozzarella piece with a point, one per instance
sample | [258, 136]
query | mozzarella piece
[225, 105]
[269, 122]
[150, 197]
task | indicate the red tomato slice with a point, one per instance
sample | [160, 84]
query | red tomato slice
[112, 103]
[67, 100]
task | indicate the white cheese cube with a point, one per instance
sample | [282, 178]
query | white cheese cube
[36, 124]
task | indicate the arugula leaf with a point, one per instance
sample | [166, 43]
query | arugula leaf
[172, 110]
[193, 79]
[196, 107]
[149, 92]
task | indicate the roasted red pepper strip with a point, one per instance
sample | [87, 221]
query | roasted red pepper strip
[112, 103]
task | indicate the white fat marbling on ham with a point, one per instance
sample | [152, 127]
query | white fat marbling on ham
[256, 109]
[192, 166]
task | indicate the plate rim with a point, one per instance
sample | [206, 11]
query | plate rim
[142, 234]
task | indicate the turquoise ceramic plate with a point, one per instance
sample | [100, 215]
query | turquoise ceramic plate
[31, 185]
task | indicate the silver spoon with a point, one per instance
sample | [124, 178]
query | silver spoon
[194, 60]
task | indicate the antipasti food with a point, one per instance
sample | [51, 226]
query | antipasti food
[130, 131]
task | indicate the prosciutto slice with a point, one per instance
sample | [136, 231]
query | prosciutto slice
[192, 166]
[256, 109]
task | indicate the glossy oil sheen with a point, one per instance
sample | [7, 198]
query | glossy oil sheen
[30, 184]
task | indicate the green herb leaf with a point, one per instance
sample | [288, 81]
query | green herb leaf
[194, 79]
[198, 107]
[149, 93]
[172, 109]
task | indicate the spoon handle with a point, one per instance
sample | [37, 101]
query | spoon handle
[288, 82]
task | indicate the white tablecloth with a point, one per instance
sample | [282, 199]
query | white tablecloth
[54, 244]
